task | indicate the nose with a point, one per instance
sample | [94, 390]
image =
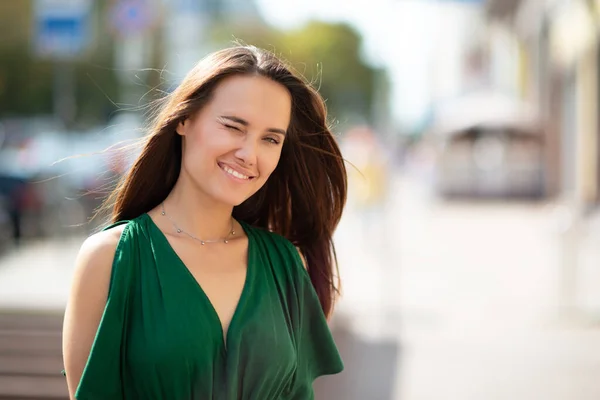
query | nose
[247, 152]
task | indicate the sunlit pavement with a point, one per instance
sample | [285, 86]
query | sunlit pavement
[38, 275]
[469, 294]
[441, 301]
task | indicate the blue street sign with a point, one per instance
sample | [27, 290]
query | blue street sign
[62, 28]
[131, 17]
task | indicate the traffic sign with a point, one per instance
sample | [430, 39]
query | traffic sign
[62, 28]
[131, 17]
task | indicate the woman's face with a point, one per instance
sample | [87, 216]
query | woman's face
[233, 144]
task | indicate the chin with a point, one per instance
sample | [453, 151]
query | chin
[238, 202]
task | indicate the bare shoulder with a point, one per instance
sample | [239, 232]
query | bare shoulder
[87, 300]
[93, 266]
[100, 246]
[104, 240]
[95, 258]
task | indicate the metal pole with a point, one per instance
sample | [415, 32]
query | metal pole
[65, 105]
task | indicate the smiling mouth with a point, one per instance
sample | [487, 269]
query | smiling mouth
[235, 173]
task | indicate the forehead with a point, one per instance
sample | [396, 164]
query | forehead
[258, 100]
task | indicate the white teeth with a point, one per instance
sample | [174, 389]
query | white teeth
[234, 173]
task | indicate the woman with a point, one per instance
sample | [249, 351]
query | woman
[217, 275]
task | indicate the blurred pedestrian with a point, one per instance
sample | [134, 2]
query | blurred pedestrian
[216, 276]
[12, 189]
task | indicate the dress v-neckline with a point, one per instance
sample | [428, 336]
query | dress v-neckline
[245, 289]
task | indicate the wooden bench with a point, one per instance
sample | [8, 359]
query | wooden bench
[31, 356]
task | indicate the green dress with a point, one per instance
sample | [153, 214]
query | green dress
[161, 338]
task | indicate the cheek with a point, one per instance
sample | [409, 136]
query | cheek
[201, 149]
[194, 154]
[269, 163]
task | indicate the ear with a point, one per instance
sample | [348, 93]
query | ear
[181, 128]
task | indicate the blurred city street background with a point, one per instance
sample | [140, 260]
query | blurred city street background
[468, 253]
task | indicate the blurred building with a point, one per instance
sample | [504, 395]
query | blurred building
[486, 138]
[553, 46]
[455, 66]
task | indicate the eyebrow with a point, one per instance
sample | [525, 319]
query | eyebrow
[246, 123]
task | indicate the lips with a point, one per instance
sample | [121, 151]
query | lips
[236, 172]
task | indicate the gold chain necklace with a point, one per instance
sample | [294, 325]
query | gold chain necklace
[202, 242]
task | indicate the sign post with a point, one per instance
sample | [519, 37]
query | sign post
[185, 35]
[62, 28]
[131, 22]
[62, 34]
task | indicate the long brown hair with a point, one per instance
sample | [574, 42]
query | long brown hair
[304, 197]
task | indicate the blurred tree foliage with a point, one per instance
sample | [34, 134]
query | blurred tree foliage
[27, 81]
[328, 55]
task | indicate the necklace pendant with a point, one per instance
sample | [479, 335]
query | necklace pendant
[178, 230]
[226, 241]
[202, 242]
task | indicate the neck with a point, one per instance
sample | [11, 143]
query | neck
[197, 214]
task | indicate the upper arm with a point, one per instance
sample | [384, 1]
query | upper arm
[87, 300]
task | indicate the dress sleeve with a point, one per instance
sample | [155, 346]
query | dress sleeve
[316, 349]
[103, 374]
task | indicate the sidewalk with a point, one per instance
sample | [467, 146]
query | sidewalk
[38, 275]
[469, 292]
[452, 301]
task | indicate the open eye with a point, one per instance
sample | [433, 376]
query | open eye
[272, 140]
